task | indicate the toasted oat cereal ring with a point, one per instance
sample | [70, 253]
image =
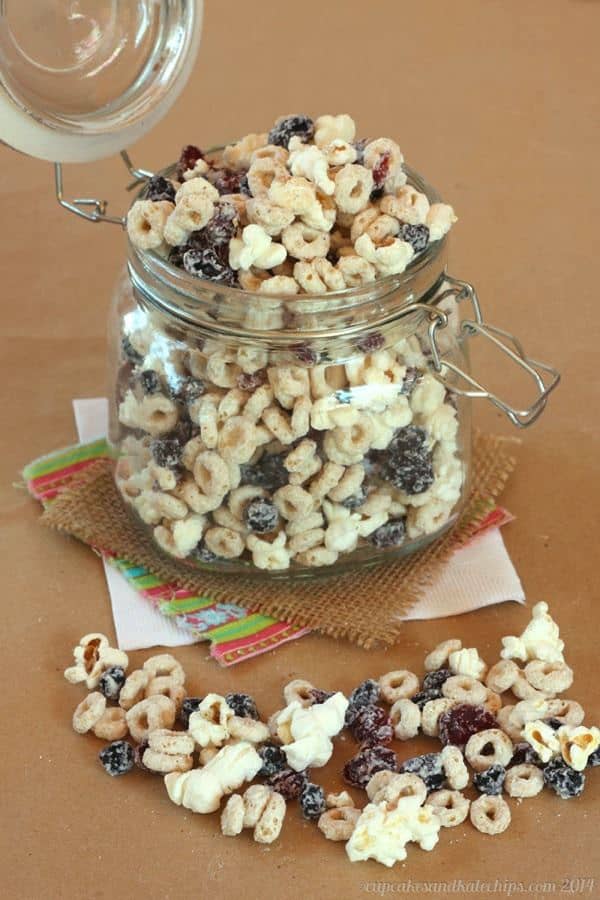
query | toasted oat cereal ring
[262, 173]
[167, 686]
[175, 742]
[164, 664]
[150, 714]
[523, 690]
[549, 677]
[525, 780]
[406, 719]
[166, 762]
[353, 186]
[502, 675]
[224, 542]
[112, 725]
[439, 656]
[336, 801]
[379, 781]
[339, 823]
[355, 270]
[431, 713]
[89, 712]
[490, 815]
[465, 689]
[232, 817]
[493, 702]
[569, 712]
[268, 827]
[508, 724]
[246, 729]
[299, 690]
[488, 748]
[303, 242]
[455, 770]
[398, 685]
[134, 689]
[451, 807]
[405, 784]
[255, 800]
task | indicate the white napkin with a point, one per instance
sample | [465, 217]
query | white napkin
[479, 574]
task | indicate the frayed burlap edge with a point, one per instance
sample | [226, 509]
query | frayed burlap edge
[364, 606]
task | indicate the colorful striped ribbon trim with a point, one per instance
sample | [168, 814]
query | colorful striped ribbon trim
[235, 633]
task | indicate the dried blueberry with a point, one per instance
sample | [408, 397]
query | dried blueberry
[261, 516]
[117, 758]
[210, 262]
[288, 783]
[460, 722]
[371, 725]
[111, 682]
[425, 696]
[243, 705]
[366, 694]
[292, 126]
[166, 452]
[312, 800]
[190, 705]
[355, 500]
[428, 767]
[159, 188]
[391, 534]
[247, 382]
[415, 235]
[269, 472]
[129, 352]
[370, 343]
[436, 679]
[188, 158]
[273, 760]
[564, 780]
[491, 780]
[359, 770]
[150, 381]
[408, 462]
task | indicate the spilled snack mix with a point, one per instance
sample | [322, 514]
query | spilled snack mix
[222, 746]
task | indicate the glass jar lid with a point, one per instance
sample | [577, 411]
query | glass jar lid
[83, 79]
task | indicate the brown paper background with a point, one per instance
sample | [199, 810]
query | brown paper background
[497, 104]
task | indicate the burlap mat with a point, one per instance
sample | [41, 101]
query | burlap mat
[363, 606]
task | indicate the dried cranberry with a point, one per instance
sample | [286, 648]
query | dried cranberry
[372, 725]
[158, 188]
[359, 770]
[408, 461]
[415, 235]
[227, 181]
[292, 126]
[288, 783]
[247, 382]
[187, 160]
[305, 354]
[381, 169]
[391, 534]
[461, 722]
[219, 230]
[370, 343]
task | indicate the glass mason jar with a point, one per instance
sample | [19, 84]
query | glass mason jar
[294, 435]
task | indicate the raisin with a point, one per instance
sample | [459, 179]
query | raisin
[359, 770]
[227, 181]
[371, 725]
[159, 188]
[305, 353]
[247, 382]
[370, 343]
[273, 760]
[408, 461]
[391, 534]
[425, 696]
[564, 780]
[410, 380]
[415, 235]
[111, 682]
[150, 381]
[320, 696]
[288, 783]
[188, 158]
[117, 758]
[524, 753]
[261, 516]
[219, 230]
[436, 679]
[292, 126]
[129, 352]
[366, 694]
[269, 472]
[210, 262]
[190, 705]
[355, 500]
[491, 780]
[462, 721]
[243, 705]
[381, 169]
[312, 800]
[428, 767]
[166, 452]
